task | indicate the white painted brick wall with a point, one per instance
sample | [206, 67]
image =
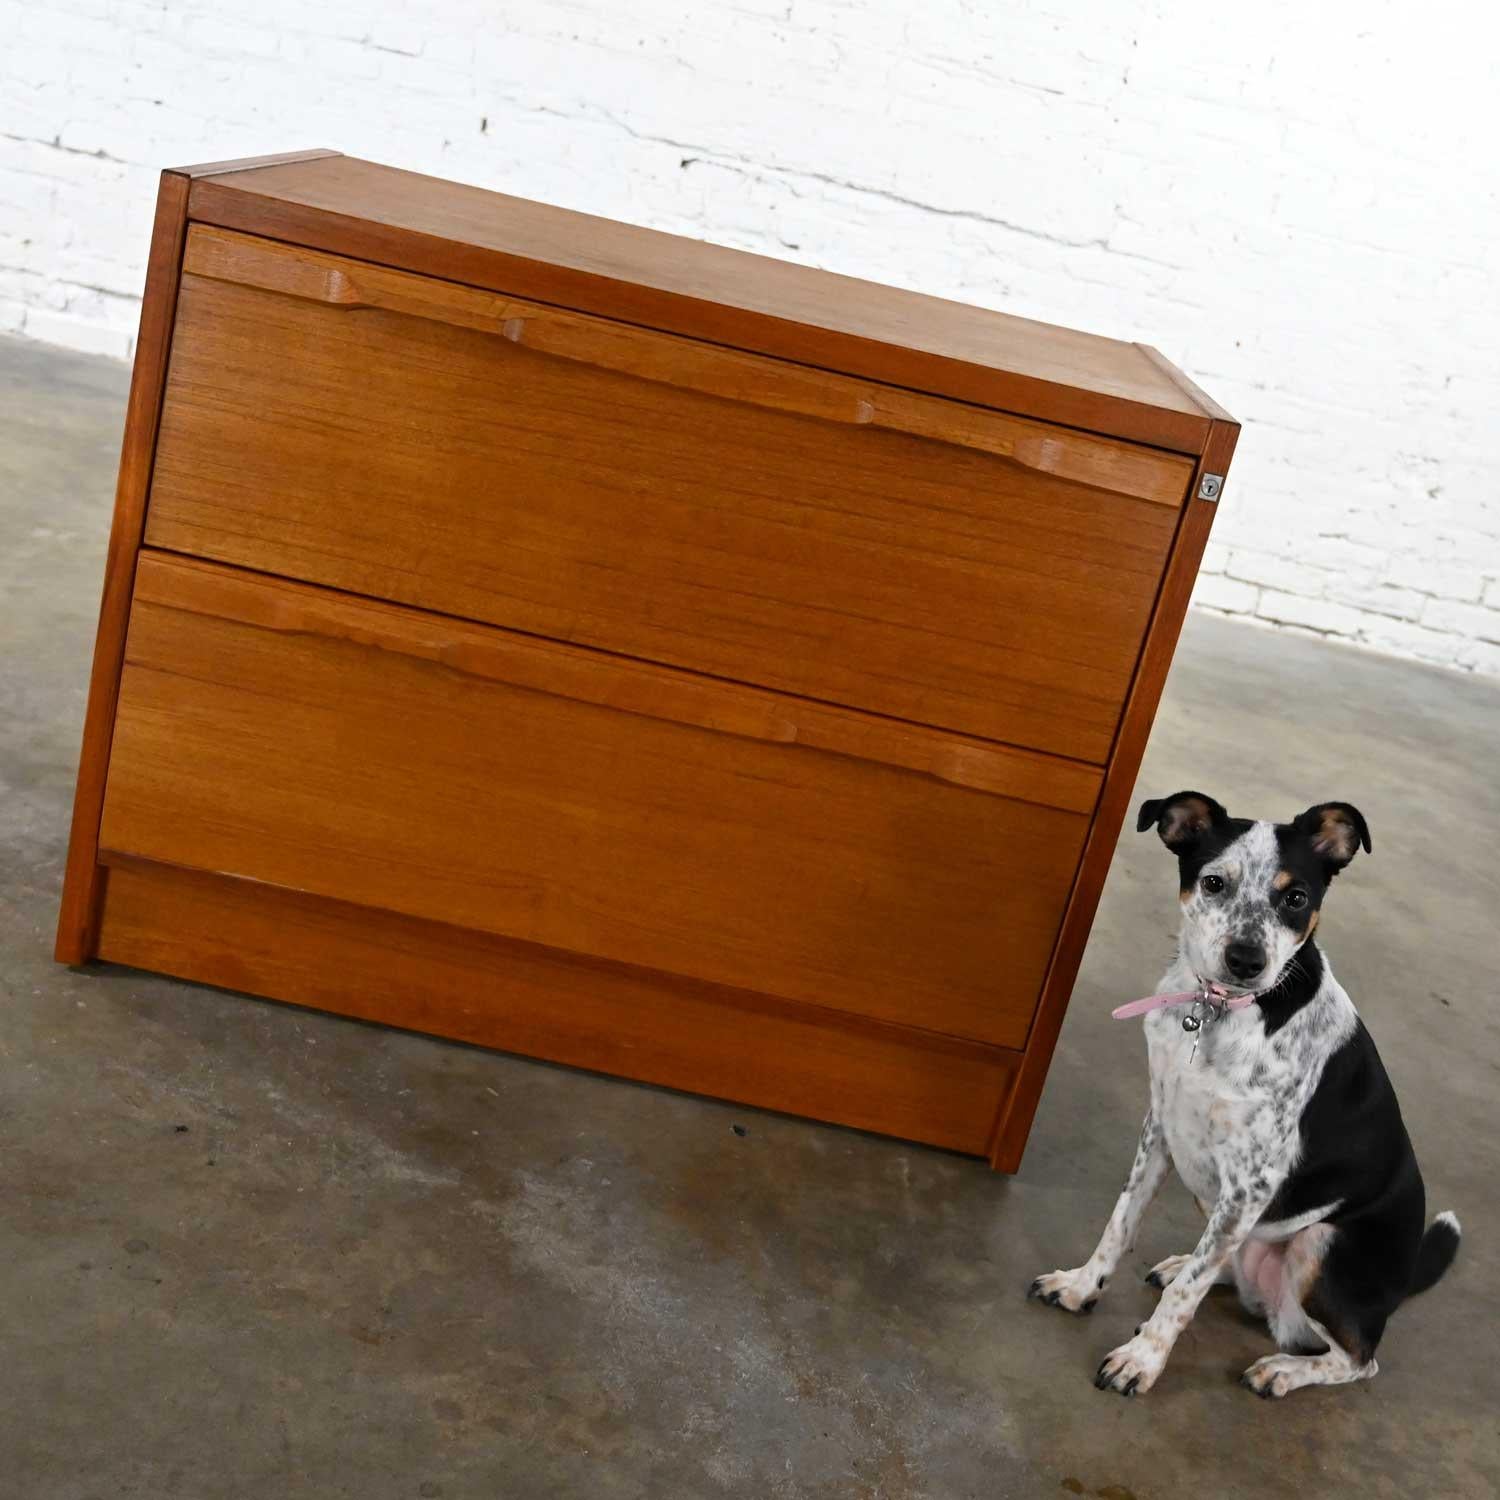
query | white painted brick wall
[1294, 202]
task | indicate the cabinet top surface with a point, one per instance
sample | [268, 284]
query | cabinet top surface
[706, 291]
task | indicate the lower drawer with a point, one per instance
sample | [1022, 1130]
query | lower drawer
[498, 993]
[460, 774]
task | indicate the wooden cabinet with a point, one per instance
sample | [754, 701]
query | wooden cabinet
[621, 650]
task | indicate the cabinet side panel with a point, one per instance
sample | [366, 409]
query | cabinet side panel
[1013, 1123]
[77, 919]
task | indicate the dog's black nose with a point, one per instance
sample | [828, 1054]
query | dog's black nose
[1245, 960]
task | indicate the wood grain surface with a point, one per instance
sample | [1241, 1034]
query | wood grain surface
[429, 767]
[590, 482]
[1143, 473]
[80, 896]
[254, 163]
[498, 993]
[499, 243]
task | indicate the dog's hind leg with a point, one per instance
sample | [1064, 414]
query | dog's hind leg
[1078, 1290]
[1277, 1375]
[1164, 1272]
[1305, 1307]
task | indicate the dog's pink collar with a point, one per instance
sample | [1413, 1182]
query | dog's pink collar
[1206, 994]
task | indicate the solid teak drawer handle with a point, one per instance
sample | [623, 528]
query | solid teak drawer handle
[622, 685]
[1142, 473]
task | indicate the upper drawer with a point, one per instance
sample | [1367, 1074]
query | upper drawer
[596, 482]
[491, 781]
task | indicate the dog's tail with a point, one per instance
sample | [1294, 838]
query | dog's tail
[1435, 1255]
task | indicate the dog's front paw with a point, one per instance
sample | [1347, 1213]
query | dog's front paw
[1164, 1273]
[1074, 1291]
[1132, 1369]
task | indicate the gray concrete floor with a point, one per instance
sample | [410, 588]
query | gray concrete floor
[247, 1250]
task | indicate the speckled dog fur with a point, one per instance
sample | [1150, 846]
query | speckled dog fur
[1278, 1117]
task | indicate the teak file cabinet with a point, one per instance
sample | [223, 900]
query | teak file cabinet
[616, 649]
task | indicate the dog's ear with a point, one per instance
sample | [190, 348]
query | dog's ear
[1337, 831]
[1182, 819]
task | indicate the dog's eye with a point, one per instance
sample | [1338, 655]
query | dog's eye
[1294, 900]
[1213, 884]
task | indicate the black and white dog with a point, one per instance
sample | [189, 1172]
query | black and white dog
[1277, 1115]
